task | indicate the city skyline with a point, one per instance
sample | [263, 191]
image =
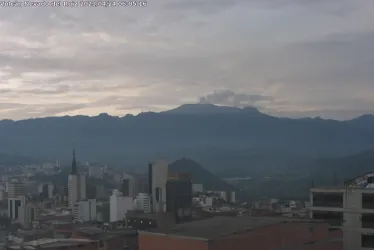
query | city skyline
[287, 57]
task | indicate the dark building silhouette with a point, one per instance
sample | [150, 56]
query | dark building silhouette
[125, 187]
[179, 198]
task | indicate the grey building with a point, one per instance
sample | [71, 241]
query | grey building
[349, 207]
[179, 199]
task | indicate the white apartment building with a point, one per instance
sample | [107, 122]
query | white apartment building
[85, 210]
[119, 205]
[143, 202]
[349, 207]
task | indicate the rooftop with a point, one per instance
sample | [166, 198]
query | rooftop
[48, 242]
[221, 226]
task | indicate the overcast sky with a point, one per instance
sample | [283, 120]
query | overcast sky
[287, 57]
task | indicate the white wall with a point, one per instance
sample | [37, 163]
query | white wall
[119, 205]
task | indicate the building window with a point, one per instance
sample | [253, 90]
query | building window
[335, 219]
[367, 240]
[367, 221]
[368, 201]
[328, 200]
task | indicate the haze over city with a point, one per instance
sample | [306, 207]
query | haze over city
[287, 57]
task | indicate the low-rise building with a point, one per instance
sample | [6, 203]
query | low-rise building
[204, 201]
[242, 233]
[349, 207]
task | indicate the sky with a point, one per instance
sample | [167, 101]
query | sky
[287, 57]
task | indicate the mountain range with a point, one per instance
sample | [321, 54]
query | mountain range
[218, 137]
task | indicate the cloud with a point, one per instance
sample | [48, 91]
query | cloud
[295, 55]
[229, 98]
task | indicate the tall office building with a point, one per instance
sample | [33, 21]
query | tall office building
[127, 185]
[13, 206]
[76, 184]
[16, 188]
[179, 198]
[28, 213]
[157, 178]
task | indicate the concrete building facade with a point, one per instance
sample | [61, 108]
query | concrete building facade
[16, 188]
[349, 207]
[28, 213]
[13, 207]
[142, 202]
[158, 176]
[119, 205]
[85, 210]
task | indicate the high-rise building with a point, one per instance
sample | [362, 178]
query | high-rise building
[16, 188]
[119, 205]
[127, 185]
[28, 213]
[76, 184]
[179, 198]
[13, 206]
[46, 190]
[142, 202]
[158, 176]
[85, 210]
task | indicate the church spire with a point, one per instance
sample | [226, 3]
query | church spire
[74, 164]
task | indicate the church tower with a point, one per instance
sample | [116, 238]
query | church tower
[76, 184]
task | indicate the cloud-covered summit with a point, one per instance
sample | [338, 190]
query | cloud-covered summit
[292, 56]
